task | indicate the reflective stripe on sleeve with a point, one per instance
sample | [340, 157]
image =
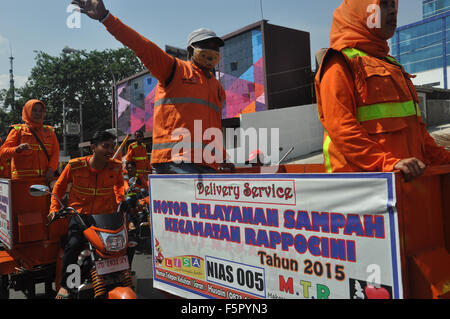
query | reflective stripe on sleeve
[165, 146]
[184, 100]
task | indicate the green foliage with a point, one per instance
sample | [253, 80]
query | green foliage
[64, 79]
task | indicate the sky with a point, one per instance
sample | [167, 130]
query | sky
[28, 26]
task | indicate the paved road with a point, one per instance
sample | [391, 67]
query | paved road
[142, 265]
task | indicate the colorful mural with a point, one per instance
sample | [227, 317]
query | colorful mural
[135, 104]
[240, 72]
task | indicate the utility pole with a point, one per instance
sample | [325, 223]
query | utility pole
[64, 129]
[262, 11]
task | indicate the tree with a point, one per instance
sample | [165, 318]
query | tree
[63, 80]
[7, 115]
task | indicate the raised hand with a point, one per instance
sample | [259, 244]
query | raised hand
[94, 9]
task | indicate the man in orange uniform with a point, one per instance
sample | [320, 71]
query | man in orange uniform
[30, 159]
[97, 188]
[367, 103]
[189, 98]
[137, 153]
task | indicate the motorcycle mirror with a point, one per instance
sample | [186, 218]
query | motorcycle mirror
[39, 190]
[42, 190]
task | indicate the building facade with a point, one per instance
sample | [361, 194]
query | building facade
[423, 47]
[434, 7]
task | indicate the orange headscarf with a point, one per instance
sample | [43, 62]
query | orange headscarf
[26, 114]
[350, 28]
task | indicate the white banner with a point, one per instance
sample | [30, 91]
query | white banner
[5, 213]
[276, 236]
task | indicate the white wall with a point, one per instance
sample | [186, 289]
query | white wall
[298, 126]
[431, 76]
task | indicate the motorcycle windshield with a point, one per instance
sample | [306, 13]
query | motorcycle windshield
[108, 221]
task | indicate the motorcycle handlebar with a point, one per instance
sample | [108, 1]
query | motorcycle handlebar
[62, 213]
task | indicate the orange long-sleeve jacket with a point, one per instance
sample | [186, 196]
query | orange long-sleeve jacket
[138, 153]
[34, 162]
[189, 96]
[367, 103]
[5, 166]
[92, 192]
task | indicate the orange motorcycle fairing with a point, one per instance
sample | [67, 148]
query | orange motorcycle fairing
[122, 293]
[94, 238]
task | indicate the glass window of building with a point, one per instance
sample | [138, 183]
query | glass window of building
[435, 7]
[423, 47]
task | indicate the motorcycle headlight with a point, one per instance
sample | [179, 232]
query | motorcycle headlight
[114, 242]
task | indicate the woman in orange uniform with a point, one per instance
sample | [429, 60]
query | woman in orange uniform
[33, 151]
[32, 147]
[97, 188]
[367, 102]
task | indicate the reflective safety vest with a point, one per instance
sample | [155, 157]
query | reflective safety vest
[138, 154]
[386, 108]
[93, 192]
[34, 162]
[184, 110]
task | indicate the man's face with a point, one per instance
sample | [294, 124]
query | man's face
[389, 13]
[104, 150]
[205, 59]
[139, 137]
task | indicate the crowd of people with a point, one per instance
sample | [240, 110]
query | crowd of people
[367, 105]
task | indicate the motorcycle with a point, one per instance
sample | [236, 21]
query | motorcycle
[103, 265]
[139, 214]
